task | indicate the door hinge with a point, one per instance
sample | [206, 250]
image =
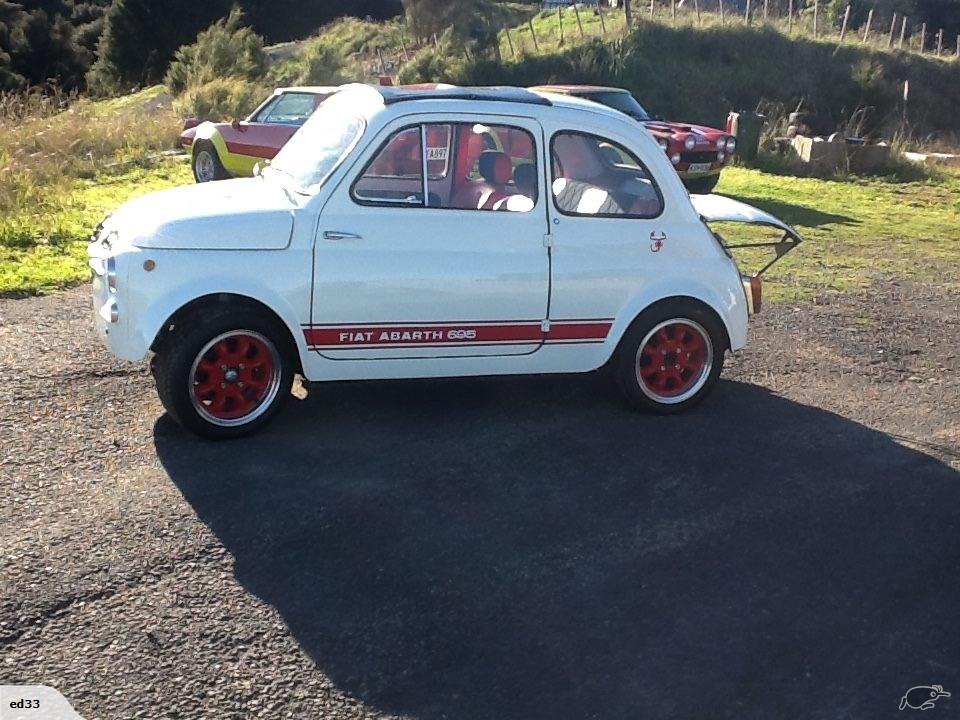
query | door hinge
[545, 326]
[548, 240]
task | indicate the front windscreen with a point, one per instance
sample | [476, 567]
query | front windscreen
[624, 102]
[314, 151]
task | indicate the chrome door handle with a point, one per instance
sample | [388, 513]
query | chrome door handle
[339, 235]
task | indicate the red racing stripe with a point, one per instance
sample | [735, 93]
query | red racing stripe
[365, 337]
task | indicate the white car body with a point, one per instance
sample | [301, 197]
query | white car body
[399, 292]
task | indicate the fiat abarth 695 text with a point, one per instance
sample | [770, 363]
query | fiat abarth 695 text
[412, 233]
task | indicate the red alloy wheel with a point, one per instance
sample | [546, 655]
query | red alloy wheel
[674, 360]
[235, 377]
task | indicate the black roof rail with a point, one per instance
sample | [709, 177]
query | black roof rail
[394, 94]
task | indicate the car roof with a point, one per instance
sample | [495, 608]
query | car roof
[565, 89]
[310, 89]
[393, 94]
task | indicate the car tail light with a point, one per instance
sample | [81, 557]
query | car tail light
[753, 289]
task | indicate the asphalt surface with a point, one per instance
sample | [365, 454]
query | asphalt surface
[494, 548]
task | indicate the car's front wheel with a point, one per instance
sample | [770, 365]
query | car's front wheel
[224, 375]
[702, 185]
[670, 357]
[206, 164]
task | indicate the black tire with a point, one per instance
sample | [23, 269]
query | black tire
[684, 385]
[702, 185]
[178, 372]
[206, 163]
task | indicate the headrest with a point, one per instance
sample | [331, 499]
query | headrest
[525, 178]
[495, 167]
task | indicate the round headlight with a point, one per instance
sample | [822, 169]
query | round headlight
[675, 158]
[731, 144]
[662, 143]
[689, 143]
[721, 143]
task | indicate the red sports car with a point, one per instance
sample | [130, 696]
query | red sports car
[224, 150]
[698, 153]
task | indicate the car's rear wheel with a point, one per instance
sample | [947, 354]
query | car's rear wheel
[226, 375]
[702, 185]
[671, 357]
[206, 163]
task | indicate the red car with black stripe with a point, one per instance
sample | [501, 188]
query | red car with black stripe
[224, 150]
[698, 153]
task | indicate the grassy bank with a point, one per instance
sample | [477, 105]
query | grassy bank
[699, 74]
[63, 169]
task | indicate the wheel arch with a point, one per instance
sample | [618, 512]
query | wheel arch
[218, 300]
[728, 308]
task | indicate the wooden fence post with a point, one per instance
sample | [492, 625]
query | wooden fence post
[939, 42]
[533, 34]
[628, 14]
[903, 32]
[576, 11]
[651, 9]
[746, 13]
[560, 22]
[893, 25]
[843, 28]
[923, 38]
[766, 10]
[958, 47]
[603, 23]
[816, 19]
[721, 10]
[866, 32]
[696, 7]
[673, 11]
[789, 16]
[513, 52]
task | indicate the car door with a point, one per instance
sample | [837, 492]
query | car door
[447, 263]
[608, 226]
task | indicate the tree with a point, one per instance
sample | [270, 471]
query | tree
[628, 13]
[140, 38]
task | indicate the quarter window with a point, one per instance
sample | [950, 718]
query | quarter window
[470, 166]
[593, 176]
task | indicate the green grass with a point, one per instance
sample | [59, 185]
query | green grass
[57, 257]
[856, 230]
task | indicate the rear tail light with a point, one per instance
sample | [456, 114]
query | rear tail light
[753, 289]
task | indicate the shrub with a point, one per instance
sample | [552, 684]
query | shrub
[225, 49]
[222, 98]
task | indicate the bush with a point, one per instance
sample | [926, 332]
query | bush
[223, 98]
[225, 49]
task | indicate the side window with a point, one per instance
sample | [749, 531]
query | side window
[289, 109]
[470, 166]
[593, 176]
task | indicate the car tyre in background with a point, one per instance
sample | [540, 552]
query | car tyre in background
[206, 163]
[671, 356]
[702, 185]
[225, 374]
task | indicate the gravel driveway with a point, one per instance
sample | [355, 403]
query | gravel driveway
[523, 548]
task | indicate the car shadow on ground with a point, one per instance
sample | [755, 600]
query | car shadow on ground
[529, 548]
[797, 215]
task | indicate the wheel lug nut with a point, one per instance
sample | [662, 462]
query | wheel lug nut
[223, 386]
[223, 367]
[677, 366]
[241, 384]
[663, 367]
[242, 366]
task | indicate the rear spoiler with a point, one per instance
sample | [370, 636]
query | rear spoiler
[717, 208]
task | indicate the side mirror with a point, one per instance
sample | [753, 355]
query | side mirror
[237, 125]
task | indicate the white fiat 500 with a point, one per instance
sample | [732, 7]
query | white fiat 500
[410, 233]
